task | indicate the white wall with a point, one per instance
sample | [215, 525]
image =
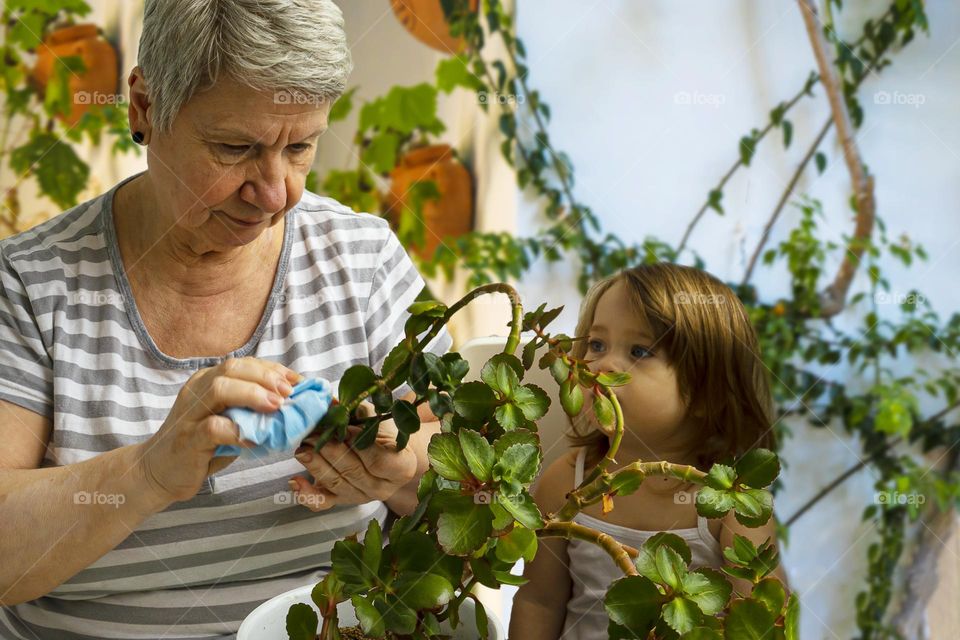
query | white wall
[612, 70]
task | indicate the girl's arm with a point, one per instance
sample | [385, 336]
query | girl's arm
[757, 536]
[540, 606]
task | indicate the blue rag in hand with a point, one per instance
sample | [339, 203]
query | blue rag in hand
[283, 429]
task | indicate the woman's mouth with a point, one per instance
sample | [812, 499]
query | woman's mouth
[243, 223]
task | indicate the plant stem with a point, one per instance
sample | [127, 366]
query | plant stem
[458, 600]
[620, 553]
[614, 444]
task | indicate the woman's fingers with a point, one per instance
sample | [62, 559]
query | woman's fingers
[310, 496]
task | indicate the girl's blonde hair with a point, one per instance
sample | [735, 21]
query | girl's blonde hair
[702, 329]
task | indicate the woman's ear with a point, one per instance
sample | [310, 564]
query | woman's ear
[138, 111]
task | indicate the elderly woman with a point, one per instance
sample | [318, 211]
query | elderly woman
[212, 280]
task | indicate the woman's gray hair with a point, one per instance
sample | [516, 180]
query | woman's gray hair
[295, 48]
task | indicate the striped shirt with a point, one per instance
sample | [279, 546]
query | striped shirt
[74, 348]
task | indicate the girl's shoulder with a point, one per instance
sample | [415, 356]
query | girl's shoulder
[556, 482]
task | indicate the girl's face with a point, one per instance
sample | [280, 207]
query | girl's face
[654, 412]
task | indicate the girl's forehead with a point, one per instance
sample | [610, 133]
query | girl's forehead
[617, 312]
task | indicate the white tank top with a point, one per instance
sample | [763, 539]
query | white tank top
[592, 570]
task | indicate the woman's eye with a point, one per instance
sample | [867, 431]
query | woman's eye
[639, 352]
[595, 345]
[234, 149]
[300, 147]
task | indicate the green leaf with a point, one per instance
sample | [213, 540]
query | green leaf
[532, 401]
[753, 507]
[342, 107]
[61, 174]
[474, 401]
[720, 477]
[423, 591]
[682, 615]
[604, 411]
[405, 416]
[559, 370]
[747, 147]
[347, 557]
[372, 550]
[478, 453]
[480, 617]
[429, 308]
[398, 618]
[519, 543]
[355, 381]
[371, 620]
[787, 133]
[453, 72]
[634, 602]
[616, 379]
[571, 397]
[821, 161]
[714, 199]
[670, 566]
[520, 462]
[302, 622]
[503, 372]
[791, 623]
[446, 457]
[713, 503]
[522, 508]
[463, 526]
[748, 620]
[512, 438]
[757, 468]
[626, 481]
[702, 633]
[509, 416]
[708, 589]
[771, 593]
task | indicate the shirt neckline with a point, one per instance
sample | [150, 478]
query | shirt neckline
[133, 312]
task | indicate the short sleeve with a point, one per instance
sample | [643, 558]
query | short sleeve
[396, 285]
[27, 379]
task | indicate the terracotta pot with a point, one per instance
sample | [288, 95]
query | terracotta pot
[98, 84]
[450, 215]
[426, 21]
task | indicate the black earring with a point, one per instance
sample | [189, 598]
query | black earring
[138, 137]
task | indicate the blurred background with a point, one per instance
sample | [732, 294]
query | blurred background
[667, 115]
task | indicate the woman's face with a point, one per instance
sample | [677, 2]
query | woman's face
[233, 155]
[653, 409]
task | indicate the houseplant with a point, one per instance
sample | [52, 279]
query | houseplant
[476, 518]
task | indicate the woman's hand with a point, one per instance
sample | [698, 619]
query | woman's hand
[178, 458]
[343, 475]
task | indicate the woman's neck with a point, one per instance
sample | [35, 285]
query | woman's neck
[152, 244]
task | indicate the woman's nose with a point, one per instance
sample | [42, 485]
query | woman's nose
[267, 189]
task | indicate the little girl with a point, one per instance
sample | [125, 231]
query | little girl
[698, 393]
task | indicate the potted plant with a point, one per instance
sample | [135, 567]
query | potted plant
[476, 518]
[427, 22]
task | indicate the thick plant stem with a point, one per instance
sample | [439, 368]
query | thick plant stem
[513, 339]
[610, 457]
[618, 552]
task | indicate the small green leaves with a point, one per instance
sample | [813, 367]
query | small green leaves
[474, 401]
[503, 373]
[708, 589]
[347, 556]
[682, 615]
[302, 622]
[428, 308]
[522, 508]
[771, 593]
[371, 620]
[519, 543]
[670, 566]
[405, 416]
[532, 401]
[750, 562]
[520, 462]
[447, 458]
[423, 591]
[615, 379]
[646, 561]
[731, 488]
[720, 476]
[355, 381]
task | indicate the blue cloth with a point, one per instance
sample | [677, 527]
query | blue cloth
[283, 429]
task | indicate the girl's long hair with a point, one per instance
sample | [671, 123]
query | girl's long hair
[703, 330]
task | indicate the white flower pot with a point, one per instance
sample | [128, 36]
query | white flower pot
[269, 620]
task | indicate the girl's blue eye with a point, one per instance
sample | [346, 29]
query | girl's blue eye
[639, 352]
[595, 345]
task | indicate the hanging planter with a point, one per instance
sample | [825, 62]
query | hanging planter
[426, 21]
[97, 84]
[449, 215]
